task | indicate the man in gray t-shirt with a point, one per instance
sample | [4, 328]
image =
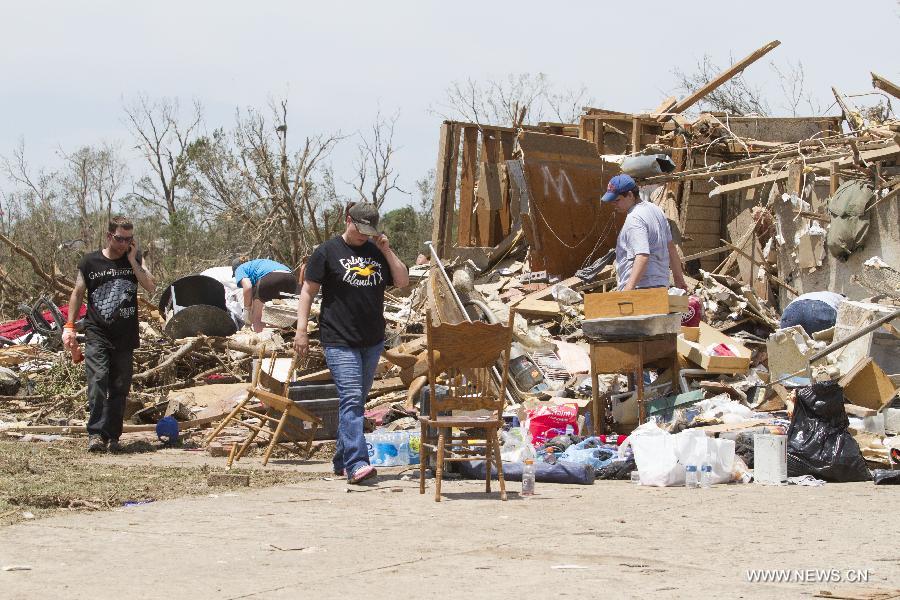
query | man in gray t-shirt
[644, 250]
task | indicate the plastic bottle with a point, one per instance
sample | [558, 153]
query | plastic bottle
[569, 429]
[77, 355]
[705, 475]
[690, 476]
[528, 478]
[550, 457]
[588, 429]
[403, 457]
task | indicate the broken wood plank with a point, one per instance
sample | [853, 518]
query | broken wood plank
[773, 277]
[126, 428]
[812, 163]
[660, 112]
[444, 187]
[467, 186]
[487, 213]
[751, 251]
[383, 386]
[723, 77]
[852, 116]
[887, 86]
[537, 308]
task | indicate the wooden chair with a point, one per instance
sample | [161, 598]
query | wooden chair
[271, 402]
[465, 352]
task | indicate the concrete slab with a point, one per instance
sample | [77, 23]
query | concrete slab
[317, 540]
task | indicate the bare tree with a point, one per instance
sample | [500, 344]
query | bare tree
[38, 199]
[508, 102]
[90, 184]
[518, 99]
[283, 198]
[163, 139]
[375, 175]
[566, 106]
[425, 187]
[792, 81]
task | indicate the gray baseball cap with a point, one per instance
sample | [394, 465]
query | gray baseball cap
[365, 215]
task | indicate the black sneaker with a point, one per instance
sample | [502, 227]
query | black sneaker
[115, 446]
[96, 444]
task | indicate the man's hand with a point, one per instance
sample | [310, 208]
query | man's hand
[132, 252]
[301, 344]
[383, 243]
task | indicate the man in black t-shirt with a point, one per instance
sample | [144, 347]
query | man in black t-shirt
[352, 270]
[110, 277]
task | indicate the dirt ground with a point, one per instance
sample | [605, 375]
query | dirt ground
[317, 537]
[39, 479]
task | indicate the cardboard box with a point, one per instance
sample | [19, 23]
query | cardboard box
[867, 385]
[694, 340]
[656, 301]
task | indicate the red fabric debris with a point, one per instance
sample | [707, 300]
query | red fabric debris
[15, 329]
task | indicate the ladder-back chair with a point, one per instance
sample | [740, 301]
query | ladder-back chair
[466, 353]
[272, 403]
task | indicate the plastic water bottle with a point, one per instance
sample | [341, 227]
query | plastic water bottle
[705, 475]
[690, 476]
[528, 478]
[403, 457]
[588, 429]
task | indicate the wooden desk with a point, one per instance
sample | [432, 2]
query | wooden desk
[629, 356]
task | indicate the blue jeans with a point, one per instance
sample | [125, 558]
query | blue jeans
[353, 370]
[811, 315]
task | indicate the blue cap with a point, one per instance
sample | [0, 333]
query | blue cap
[618, 185]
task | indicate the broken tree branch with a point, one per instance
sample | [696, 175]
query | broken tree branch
[184, 349]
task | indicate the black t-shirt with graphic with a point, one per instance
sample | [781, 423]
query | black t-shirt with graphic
[353, 281]
[111, 300]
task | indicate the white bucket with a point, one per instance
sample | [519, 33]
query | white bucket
[770, 459]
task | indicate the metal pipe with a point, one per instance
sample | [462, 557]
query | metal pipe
[491, 317]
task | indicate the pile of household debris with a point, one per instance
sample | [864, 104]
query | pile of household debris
[762, 209]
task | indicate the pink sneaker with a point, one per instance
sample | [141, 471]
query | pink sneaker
[363, 473]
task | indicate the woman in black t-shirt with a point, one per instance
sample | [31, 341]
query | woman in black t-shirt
[352, 270]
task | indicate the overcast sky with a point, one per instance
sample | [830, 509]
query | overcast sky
[68, 65]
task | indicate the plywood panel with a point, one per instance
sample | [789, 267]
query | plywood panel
[566, 178]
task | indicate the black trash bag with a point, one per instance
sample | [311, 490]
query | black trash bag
[561, 472]
[886, 477]
[617, 469]
[818, 441]
[561, 442]
[743, 447]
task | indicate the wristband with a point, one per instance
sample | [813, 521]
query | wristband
[69, 326]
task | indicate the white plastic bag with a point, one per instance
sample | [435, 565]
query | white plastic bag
[654, 453]
[514, 445]
[661, 456]
[695, 447]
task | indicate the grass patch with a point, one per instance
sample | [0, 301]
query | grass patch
[49, 479]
